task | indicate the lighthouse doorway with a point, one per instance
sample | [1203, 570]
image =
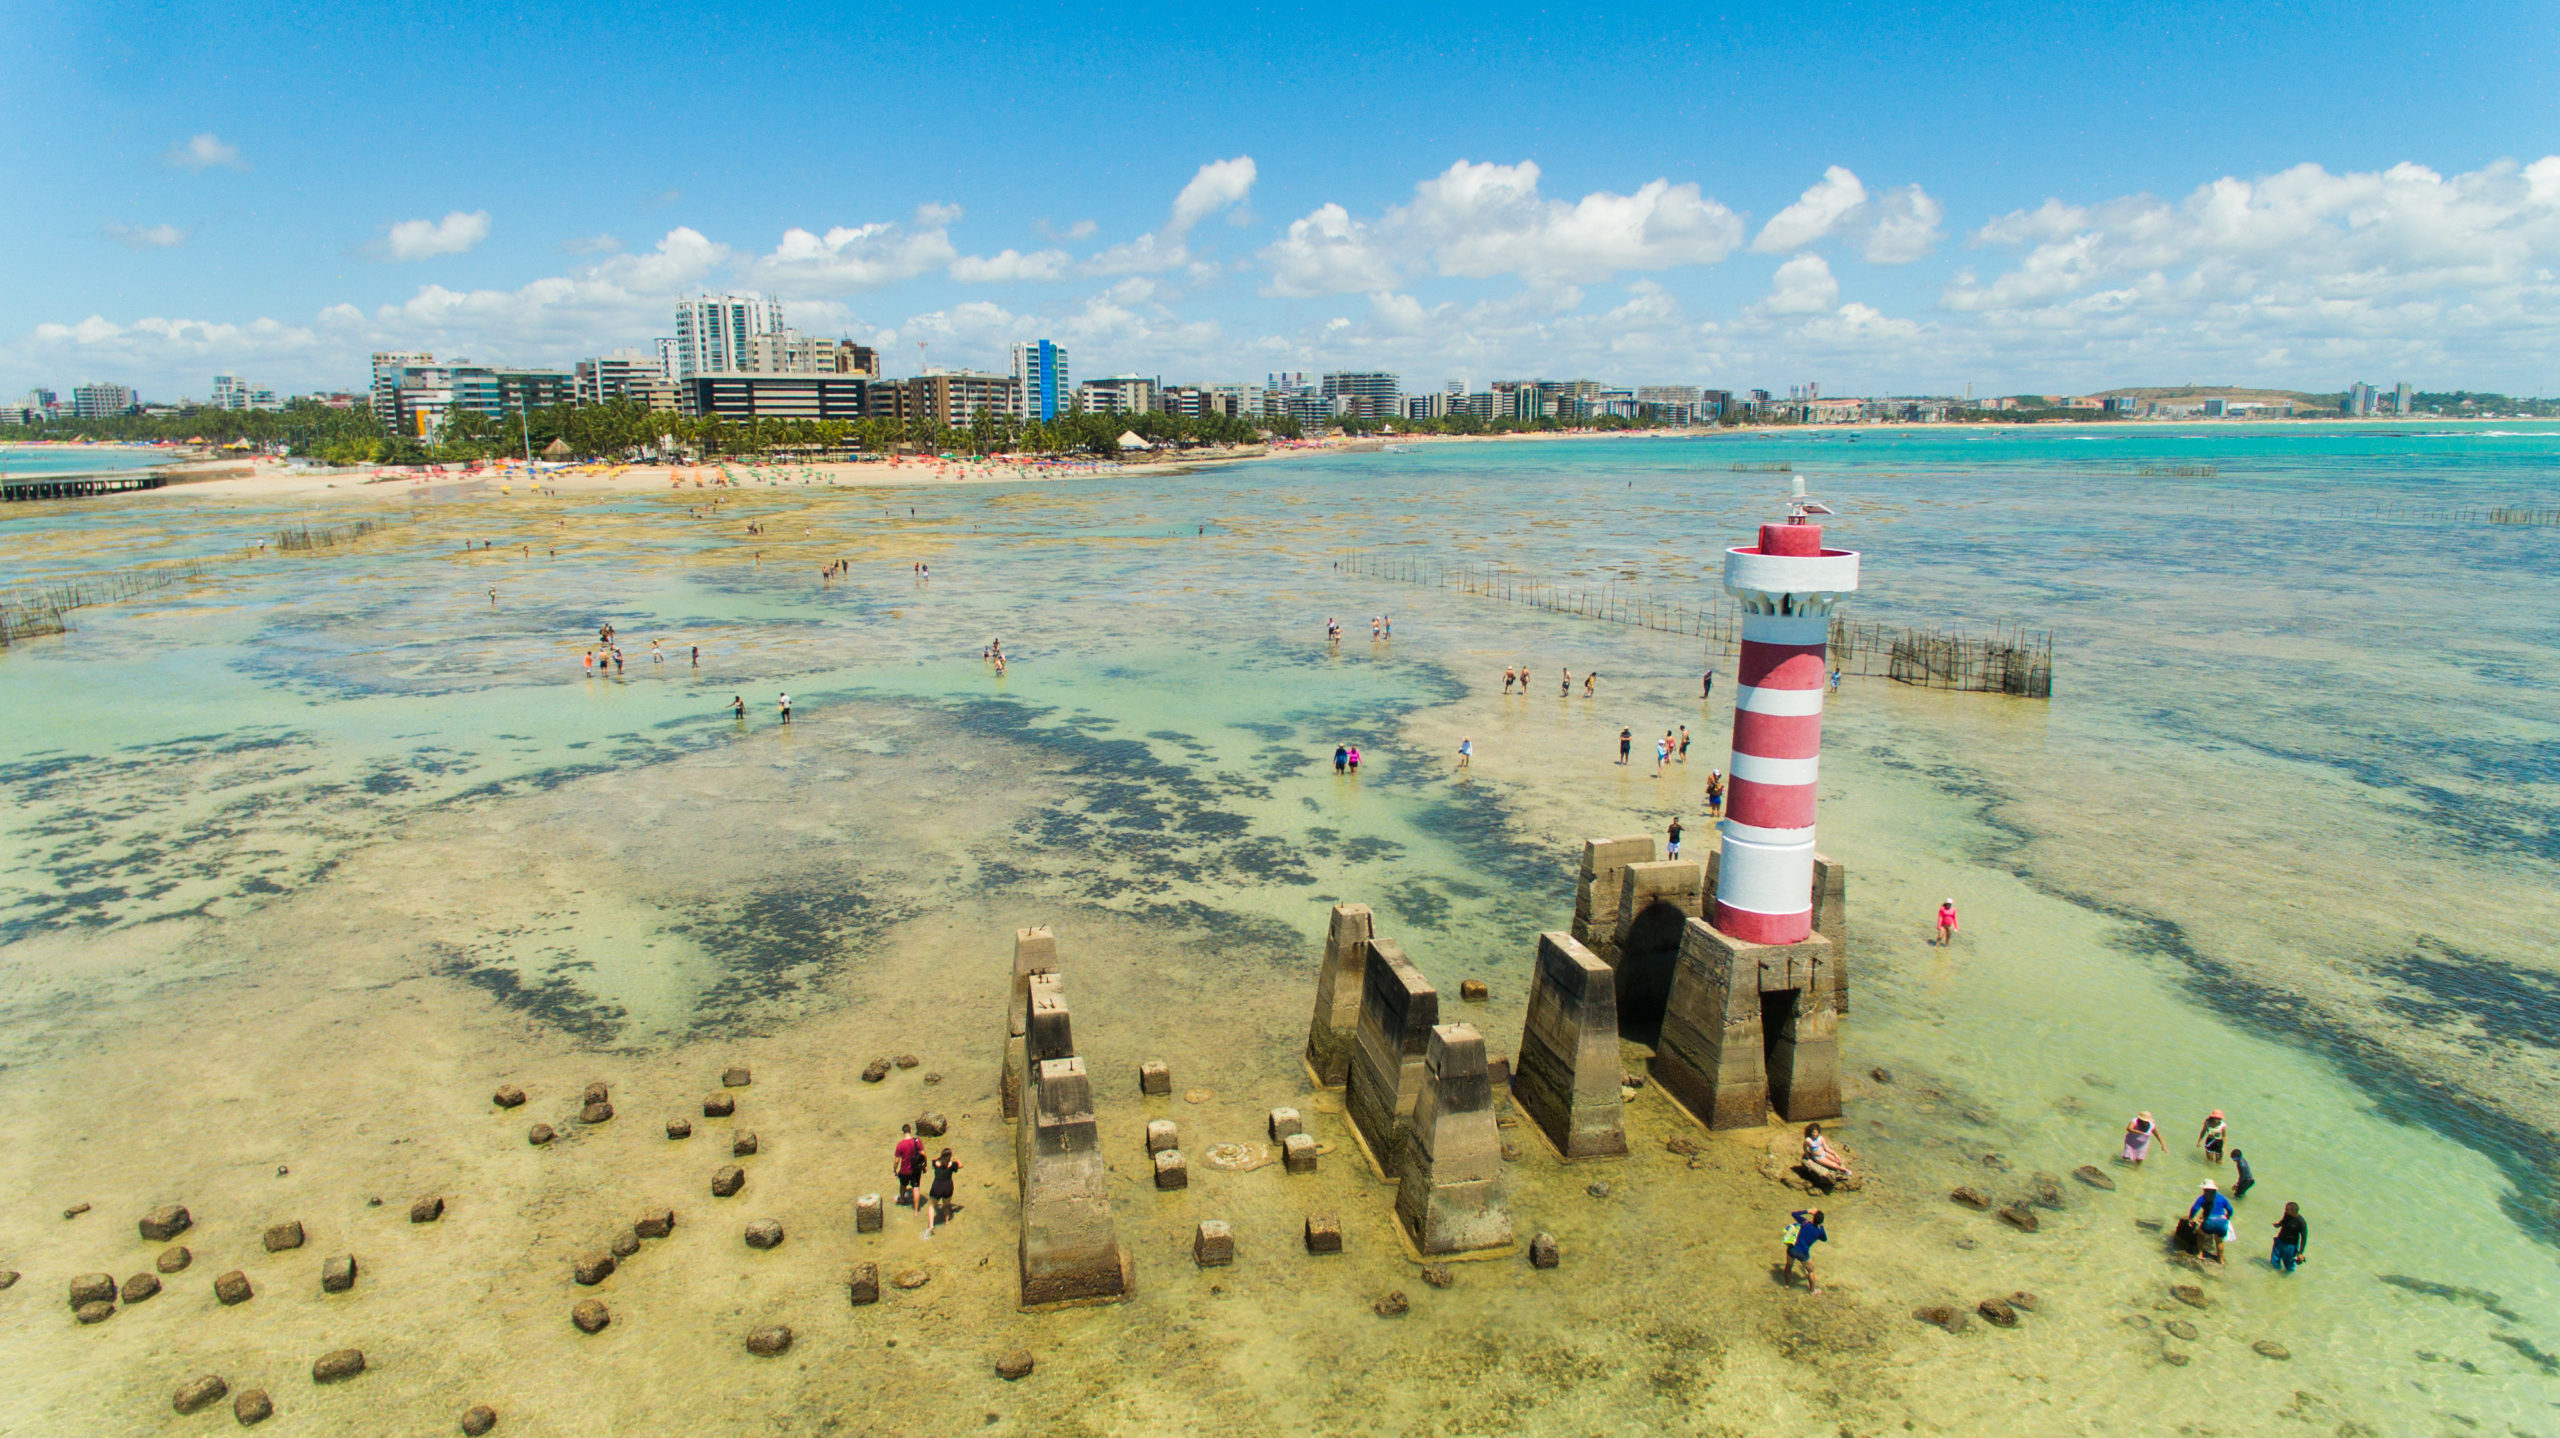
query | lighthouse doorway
[1646, 960]
[1778, 1014]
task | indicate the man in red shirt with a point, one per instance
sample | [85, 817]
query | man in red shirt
[910, 1163]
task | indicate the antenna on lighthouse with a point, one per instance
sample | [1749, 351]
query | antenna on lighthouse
[1800, 508]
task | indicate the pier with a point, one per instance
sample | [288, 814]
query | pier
[79, 486]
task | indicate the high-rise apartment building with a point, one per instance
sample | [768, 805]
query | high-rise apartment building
[715, 333]
[2403, 399]
[388, 366]
[1371, 393]
[2359, 401]
[230, 391]
[954, 397]
[1042, 387]
[625, 374]
[100, 401]
[1238, 401]
[1119, 394]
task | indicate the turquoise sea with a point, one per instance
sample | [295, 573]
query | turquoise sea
[302, 858]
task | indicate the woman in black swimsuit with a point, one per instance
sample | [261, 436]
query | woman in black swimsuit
[943, 1168]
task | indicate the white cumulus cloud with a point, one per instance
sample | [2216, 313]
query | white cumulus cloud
[204, 152]
[1894, 228]
[856, 257]
[1802, 286]
[1815, 215]
[1219, 184]
[1011, 266]
[457, 233]
[1481, 220]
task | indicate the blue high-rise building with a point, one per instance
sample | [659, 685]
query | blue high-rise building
[1042, 388]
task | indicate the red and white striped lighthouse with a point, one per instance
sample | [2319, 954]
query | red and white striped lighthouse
[1787, 585]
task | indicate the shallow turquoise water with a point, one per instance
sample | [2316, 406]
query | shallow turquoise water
[2283, 843]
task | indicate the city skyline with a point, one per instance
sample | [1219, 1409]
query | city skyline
[2137, 201]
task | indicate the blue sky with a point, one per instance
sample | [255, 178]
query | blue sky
[1876, 198]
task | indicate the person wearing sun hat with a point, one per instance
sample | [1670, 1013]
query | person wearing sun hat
[2213, 1136]
[2212, 1213]
[2138, 1137]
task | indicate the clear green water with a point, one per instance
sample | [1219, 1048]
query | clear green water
[302, 859]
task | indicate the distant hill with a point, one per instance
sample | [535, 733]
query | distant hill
[2232, 392]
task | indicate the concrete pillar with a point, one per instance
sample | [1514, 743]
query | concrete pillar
[1035, 951]
[1568, 1066]
[1336, 1026]
[1047, 1034]
[1398, 1007]
[1450, 1198]
[1595, 895]
[1720, 1061]
[1654, 897]
[1831, 921]
[1069, 1250]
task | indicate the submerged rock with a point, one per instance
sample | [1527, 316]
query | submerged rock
[93, 1288]
[931, 1124]
[2190, 1295]
[2180, 1328]
[2269, 1348]
[9, 1277]
[253, 1407]
[1997, 1312]
[201, 1393]
[736, 1076]
[539, 1134]
[1394, 1305]
[2094, 1176]
[337, 1366]
[427, 1209]
[1946, 1316]
[478, 1419]
[233, 1289]
[95, 1312]
[764, 1233]
[508, 1096]
[908, 1061]
[1473, 990]
[2019, 1218]
[1439, 1275]
[2023, 1301]
[592, 1269]
[2046, 1191]
[164, 1223]
[595, 1113]
[769, 1342]
[911, 1278]
[656, 1223]
[1015, 1365]
[875, 1071]
[140, 1287]
[590, 1316]
[1972, 1198]
[597, 1093]
[625, 1243]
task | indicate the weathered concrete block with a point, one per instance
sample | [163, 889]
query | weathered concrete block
[1171, 1171]
[233, 1289]
[1595, 892]
[166, 1222]
[1284, 1122]
[1009, 1086]
[1069, 1250]
[144, 1285]
[1831, 921]
[727, 1181]
[1336, 1026]
[338, 1273]
[1213, 1244]
[1398, 1007]
[590, 1316]
[1568, 1073]
[656, 1223]
[427, 1209]
[1449, 1196]
[865, 1284]
[717, 1105]
[1543, 1252]
[201, 1393]
[624, 1244]
[1035, 951]
[1154, 1078]
[285, 1236]
[867, 1213]
[1162, 1134]
[736, 1076]
[1324, 1233]
[1751, 1027]
[1298, 1153]
[337, 1365]
[1048, 1034]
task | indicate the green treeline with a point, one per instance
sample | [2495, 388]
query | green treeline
[621, 428]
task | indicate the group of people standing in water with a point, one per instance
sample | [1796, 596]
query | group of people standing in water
[2207, 1224]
